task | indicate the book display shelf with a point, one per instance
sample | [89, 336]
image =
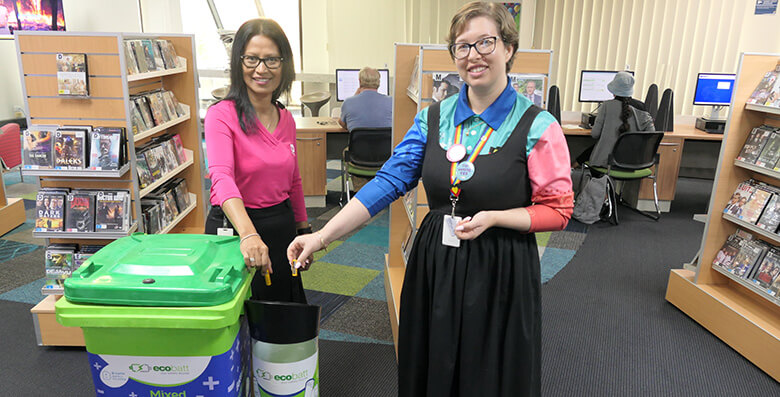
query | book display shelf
[734, 309]
[109, 104]
[417, 66]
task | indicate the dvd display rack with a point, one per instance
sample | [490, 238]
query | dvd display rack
[416, 66]
[742, 316]
[110, 105]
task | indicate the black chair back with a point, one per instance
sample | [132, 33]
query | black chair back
[370, 147]
[636, 150]
[664, 120]
[651, 100]
[554, 102]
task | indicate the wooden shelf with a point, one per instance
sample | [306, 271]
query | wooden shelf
[160, 73]
[164, 126]
[761, 170]
[749, 284]
[394, 278]
[88, 235]
[735, 310]
[48, 331]
[762, 108]
[168, 176]
[85, 173]
[175, 221]
[773, 237]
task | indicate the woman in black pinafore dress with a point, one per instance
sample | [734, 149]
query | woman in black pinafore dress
[470, 316]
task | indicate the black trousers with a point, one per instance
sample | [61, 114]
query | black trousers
[276, 226]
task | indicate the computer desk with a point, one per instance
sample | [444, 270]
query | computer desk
[312, 141]
[671, 149]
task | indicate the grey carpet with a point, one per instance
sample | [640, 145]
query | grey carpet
[346, 368]
[21, 270]
[608, 331]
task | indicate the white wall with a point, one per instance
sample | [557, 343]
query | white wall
[666, 42]
[160, 16]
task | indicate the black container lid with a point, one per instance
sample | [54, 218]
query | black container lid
[282, 322]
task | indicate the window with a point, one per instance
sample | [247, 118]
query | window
[212, 57]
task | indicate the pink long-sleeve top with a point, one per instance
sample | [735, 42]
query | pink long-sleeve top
[261, 168]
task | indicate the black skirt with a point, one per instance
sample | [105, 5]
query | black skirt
[276, 226]
[470, 317]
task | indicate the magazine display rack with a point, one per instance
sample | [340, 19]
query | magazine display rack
[417, 66]
[109, 105]
[741, 316]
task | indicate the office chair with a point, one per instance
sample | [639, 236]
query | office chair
[366, 152]
[632, 158]
[554, 102]
[11, 147]
[651, 100]
[664, 120]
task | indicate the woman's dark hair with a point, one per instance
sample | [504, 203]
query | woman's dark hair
[625, 113]
[238, 92]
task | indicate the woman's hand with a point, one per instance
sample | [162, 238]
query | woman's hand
[302, 249]
[255, 254]
[470, 228]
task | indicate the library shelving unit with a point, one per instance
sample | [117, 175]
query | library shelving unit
[110, 88]
[415, 66]
[744, 317]
[11, 210]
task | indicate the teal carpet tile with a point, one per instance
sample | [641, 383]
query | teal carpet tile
[28, 293]
[553, 260]
[11, 249]
[375, 289]
[382, 219]
[372, 235]
[338, 336]
[350, 253]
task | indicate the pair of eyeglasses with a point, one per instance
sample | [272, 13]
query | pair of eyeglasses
[252, 61]
[483, 46]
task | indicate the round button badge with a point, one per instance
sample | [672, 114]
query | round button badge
[456, 153]
[464, 171]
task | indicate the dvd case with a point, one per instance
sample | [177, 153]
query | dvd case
[72, 75]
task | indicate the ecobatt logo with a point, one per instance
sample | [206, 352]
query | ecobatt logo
[288, 379]
[163, 371]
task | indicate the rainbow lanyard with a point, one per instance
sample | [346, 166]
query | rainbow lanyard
[484, 137]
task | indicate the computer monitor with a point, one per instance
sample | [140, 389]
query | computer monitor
[593, 85]
[714, 89]
[347, 82]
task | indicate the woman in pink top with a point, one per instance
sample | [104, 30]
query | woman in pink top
[250, 143]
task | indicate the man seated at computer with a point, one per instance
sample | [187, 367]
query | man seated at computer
[614, 117]
[367, 108]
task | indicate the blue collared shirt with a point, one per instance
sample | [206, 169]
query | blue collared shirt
[402, 171]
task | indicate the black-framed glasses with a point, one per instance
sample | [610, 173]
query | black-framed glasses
[252, 61]
[483, 46]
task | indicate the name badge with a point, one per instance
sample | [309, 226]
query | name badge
[448, 237]
[224, 231]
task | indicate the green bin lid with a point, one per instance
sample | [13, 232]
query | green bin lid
[161, 270]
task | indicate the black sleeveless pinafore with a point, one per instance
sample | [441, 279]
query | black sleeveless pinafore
[470, 317]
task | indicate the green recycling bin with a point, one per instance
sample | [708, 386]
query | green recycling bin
[162, 316]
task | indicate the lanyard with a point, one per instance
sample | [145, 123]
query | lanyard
[454, 181]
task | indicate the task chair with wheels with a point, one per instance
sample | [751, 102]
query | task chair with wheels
[554, 102]
[632, 158]
[366, 152]
[664, 120]
[651, 100]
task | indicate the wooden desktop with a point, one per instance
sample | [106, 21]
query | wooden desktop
[671, 149]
